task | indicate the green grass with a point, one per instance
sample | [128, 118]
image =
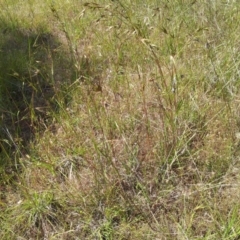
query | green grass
[119, 120]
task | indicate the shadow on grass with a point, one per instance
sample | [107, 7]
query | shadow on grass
[34, 69]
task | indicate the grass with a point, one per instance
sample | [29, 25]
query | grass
[119, 120]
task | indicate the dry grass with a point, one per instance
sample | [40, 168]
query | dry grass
[123, 121]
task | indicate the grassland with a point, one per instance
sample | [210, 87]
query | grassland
[119, 119]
